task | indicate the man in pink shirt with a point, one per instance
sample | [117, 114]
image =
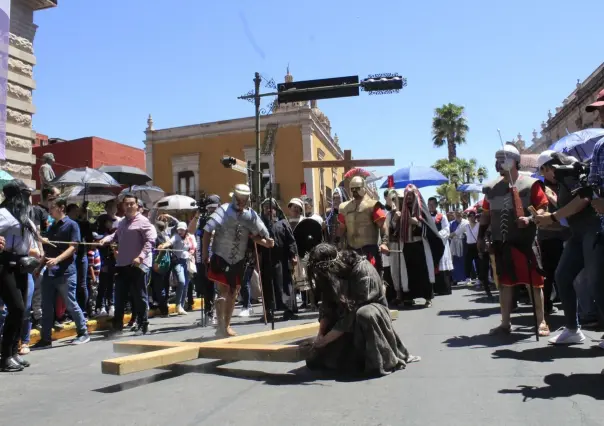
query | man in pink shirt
[135, 237]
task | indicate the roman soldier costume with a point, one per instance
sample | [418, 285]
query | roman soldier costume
[512, 245]
[363, 217]
[232, 227]
[507, 202]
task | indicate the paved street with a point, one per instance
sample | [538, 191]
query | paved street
[465, 378]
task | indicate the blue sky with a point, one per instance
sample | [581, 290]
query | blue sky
[104, 66]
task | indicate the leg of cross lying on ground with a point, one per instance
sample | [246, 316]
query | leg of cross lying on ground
[262, 346]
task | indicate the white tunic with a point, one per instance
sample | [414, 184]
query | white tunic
[446, 262]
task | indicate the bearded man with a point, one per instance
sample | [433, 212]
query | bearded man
[363, 222]
[422, 248]
[356, 335]
[232, 224]
[513, 234]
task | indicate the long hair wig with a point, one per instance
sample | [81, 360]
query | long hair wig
[327, 268]
[18, 205]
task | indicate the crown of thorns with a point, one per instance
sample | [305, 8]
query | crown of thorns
[323, 265]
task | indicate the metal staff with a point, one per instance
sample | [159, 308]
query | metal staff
[515, 200]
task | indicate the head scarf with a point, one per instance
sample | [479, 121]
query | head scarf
[280, 214]
[410, 211]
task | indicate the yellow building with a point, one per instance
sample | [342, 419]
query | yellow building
[186, 160]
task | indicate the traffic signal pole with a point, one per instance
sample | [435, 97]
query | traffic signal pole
[377, 84]
[258, 187]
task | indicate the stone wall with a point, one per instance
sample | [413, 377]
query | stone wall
[20, 107]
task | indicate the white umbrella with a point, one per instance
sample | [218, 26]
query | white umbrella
[176, 202]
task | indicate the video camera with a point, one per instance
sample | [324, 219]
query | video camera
[202, 204]
[579, 171]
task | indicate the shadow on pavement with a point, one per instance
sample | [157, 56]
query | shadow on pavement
[172, 372]
[549, 354]
[561, 386]
[484, 299]
[467, 314]
[484, 340]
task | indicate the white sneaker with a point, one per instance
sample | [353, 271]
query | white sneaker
[181, 311]
[244, 313]
[568, 337]
[111, 312]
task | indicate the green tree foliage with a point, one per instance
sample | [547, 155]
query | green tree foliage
[466, 171]
[449, 127]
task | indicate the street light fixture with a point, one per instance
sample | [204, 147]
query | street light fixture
[454, 179]
[466, 172]
[480, 175]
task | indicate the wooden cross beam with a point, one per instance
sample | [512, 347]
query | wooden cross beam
[262, 346]
[347, 163]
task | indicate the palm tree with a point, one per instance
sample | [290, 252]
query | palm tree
[449, 126]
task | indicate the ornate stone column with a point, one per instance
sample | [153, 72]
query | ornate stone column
[21, 83]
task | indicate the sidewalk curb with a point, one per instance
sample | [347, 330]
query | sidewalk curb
[100, 324]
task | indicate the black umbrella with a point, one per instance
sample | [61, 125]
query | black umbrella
[85, 176]
[127, 175]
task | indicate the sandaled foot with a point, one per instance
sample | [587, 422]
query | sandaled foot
[544, 330]
[230, 332]
[413, 358]
[500, 329]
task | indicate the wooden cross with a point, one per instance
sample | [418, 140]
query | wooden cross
[347, 163]
[262, 346]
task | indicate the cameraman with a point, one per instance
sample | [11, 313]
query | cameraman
[582, 250]
[203, 285]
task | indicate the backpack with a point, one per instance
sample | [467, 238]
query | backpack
[162, 263]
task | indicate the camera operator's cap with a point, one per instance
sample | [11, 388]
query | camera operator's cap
[544, 157]
[213, 201]
[597, 104]
[181, 225]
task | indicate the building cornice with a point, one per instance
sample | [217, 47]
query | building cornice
[238, 125]
[591, 86]
[301, 116]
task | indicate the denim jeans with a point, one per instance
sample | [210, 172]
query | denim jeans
[26, 327]
[131, 280]
[582, 250]
[105, 296]
[82, 291]
[66, 285]
[182, 276]
[246, 294]
[36, 300]
[160, 285]
[585, 298]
